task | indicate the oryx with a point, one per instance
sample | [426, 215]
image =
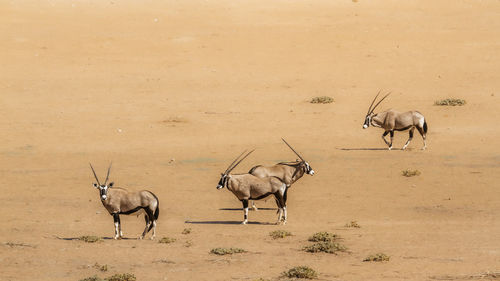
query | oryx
[392, 120]
[287, 172]
[249, 187]
[119, 201]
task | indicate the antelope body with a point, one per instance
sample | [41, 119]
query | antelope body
[249, 187]
[287, 172]
[392, 120]
[119, 201]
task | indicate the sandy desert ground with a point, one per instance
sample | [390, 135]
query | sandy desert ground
[172, 91]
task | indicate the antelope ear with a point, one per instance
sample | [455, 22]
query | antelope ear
[95, 185]
[111, 184]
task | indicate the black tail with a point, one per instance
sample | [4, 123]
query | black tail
[157, 211]
[425, 126]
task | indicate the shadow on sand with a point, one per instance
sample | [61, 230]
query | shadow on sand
[103, 238]
[228, 222]
[241, 209]
[367, 148]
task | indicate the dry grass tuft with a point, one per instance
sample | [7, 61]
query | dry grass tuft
[353, 224]
[167, 240]
[122, 277]
[90, 238]
[93, 278]
[102, 268]
[15, 244]
[450, 102]
[410, 173]
[379, 257]
[325, 247]
[303, 272]
[322, 99]
[186, 231]
[226, 251]
[324, 237]
[279, 234]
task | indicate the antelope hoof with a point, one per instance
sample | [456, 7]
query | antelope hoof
[423, 148]
[152, 238]
[255, 208]
[404, 148]
[244, 222]
[390, 147]
[116, 237]
[141, 237]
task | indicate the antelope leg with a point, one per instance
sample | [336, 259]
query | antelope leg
[116, 219]
[410, 138]
[254, 207]
[154, 230]
[245, 211]
[392, 136]
[383, 137]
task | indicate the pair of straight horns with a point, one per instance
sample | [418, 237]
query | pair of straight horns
[233, 165]
[370, 109]
[107, 176]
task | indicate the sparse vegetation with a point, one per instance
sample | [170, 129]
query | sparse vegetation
[450, 102]
[14, 244]
[102, 268]
[324, 237]
[188, 243]
[226, 251]
[410, 173]
[122, 277]
[93, 278]
[186, 231]
[167, 240]
[353, 224]
[279, 234]
[261, 279]
[90, 238]
[322, 99]
[326, 247]
[303, 272]
[379, 257]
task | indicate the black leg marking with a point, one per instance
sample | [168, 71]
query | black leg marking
[245, 206]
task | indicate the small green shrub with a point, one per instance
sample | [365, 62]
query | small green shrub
[326, 247]
[410, 173]
[122, 277]
[353, 224]
[226, 251]
[450, 102]
[90, 238]
[186, 231]
[322, 99]
[304, 272]
[324, 237]
[279, 234]
[167, 240]
[377, 257]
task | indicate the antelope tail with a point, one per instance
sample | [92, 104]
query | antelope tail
[425, 126]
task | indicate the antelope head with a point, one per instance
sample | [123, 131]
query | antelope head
[225, 176]
[370, 113]
[103, 188]
[307, 167]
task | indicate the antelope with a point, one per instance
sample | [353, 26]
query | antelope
[287, 172]
[392, 120]
[249, 187]
[119, 201]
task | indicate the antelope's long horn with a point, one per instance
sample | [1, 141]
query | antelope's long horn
[293, 149]
[94, 174]
[239, 161]
[229, 167]
[380, 102]
[107, 176]
[370, 108]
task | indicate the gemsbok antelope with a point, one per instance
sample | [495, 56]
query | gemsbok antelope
[249, 187]
[119, 201]
[287, 172]
[392, 120]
